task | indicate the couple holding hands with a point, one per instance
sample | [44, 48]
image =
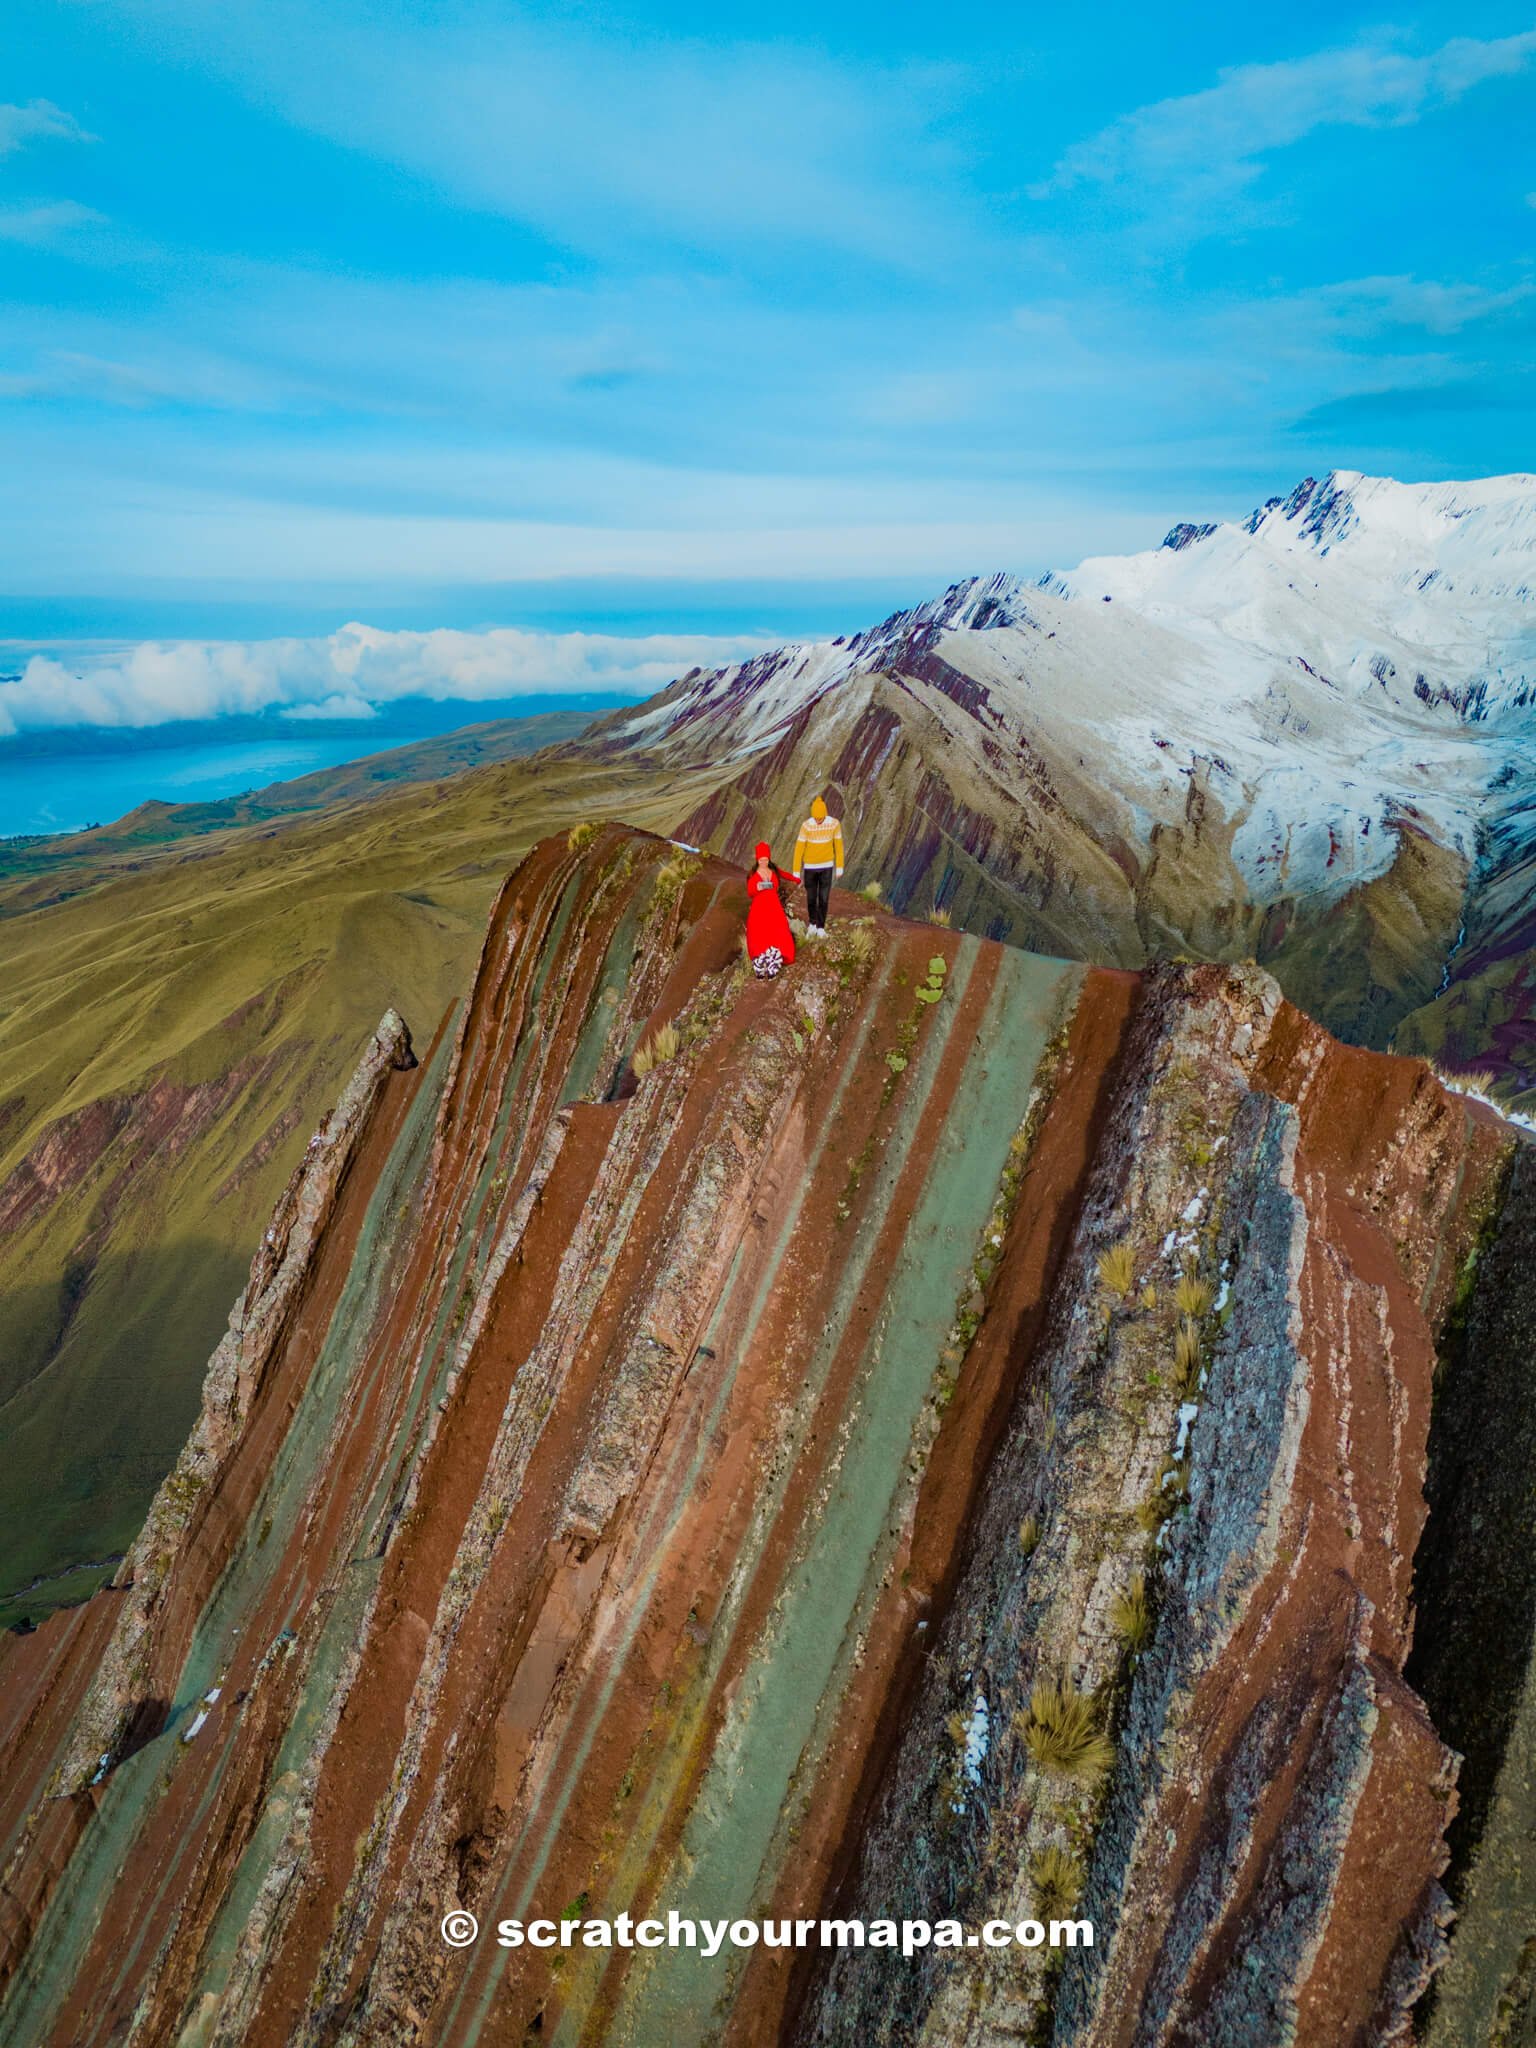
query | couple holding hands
[818, 857]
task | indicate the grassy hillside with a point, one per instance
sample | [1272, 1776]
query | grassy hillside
[175, 1018]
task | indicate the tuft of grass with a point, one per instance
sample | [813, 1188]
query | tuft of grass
[1061, 1731]
[581, 835]
[1192, 1297]
[1029, 1535]
[1152, 1512]
[664, 1044]
[871, 892]
[1117, 1267]
[1058, 1880]
[672, 874]
[860, 943]
[1186, 1357]
[1130, 1616]
[940, 918]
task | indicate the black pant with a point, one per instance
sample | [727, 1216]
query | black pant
[818, 889]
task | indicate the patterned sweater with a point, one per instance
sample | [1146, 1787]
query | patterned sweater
[820, 845]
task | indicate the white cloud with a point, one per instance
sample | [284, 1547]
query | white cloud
[345, 675]
[1217, 136]
[1364, 305]
[39, 226]
[37, 121]
[348, 705]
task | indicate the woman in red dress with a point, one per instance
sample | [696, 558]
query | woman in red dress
[770, 942]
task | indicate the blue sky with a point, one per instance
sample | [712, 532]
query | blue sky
[686, 318]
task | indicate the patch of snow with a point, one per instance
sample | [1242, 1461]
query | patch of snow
[191, 1733]
[977, 1738]
[1188, 1410]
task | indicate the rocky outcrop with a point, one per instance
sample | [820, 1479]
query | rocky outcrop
[942, 1433]
[1217, 1556]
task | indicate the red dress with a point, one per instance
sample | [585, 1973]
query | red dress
[767, 926]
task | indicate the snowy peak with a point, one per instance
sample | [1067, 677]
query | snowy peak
[1426, 591]
[1378, 509]
[1409, 528]
[1479, 536]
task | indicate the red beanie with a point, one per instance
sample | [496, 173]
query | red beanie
[763, 851]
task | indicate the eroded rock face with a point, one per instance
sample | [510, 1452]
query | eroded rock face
[677, 1435]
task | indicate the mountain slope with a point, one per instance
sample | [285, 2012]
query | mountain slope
[1309, 738]
[174, 1021]
[672, 1485]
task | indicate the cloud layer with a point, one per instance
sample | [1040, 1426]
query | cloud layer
[1218, 134]
[345, 675]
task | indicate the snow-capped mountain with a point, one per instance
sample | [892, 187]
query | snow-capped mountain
[1303, 735]
[1428, 588]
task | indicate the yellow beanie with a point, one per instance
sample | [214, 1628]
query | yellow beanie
[818, 810]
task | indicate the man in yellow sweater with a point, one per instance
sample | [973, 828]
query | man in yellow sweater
[818, 856]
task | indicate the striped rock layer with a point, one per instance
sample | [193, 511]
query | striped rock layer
[675, 1430]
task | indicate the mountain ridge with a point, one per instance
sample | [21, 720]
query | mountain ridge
[930, 1334]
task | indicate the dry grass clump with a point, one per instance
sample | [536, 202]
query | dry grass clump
[672, 874]
[1062, 1734]
[1192, 1297]
[665, 1043]
[1152, 1512]
[1186, 1358]
[1058, 1880]
[1480, 1081]
[1130, 1616]
[581, 835]
[939, 917]
[859, 945]
[1117, 1267]
[871, 892]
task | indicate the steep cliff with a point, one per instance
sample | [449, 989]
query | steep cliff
[943, 1432]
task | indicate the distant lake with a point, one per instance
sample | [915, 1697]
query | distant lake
[61, 781]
